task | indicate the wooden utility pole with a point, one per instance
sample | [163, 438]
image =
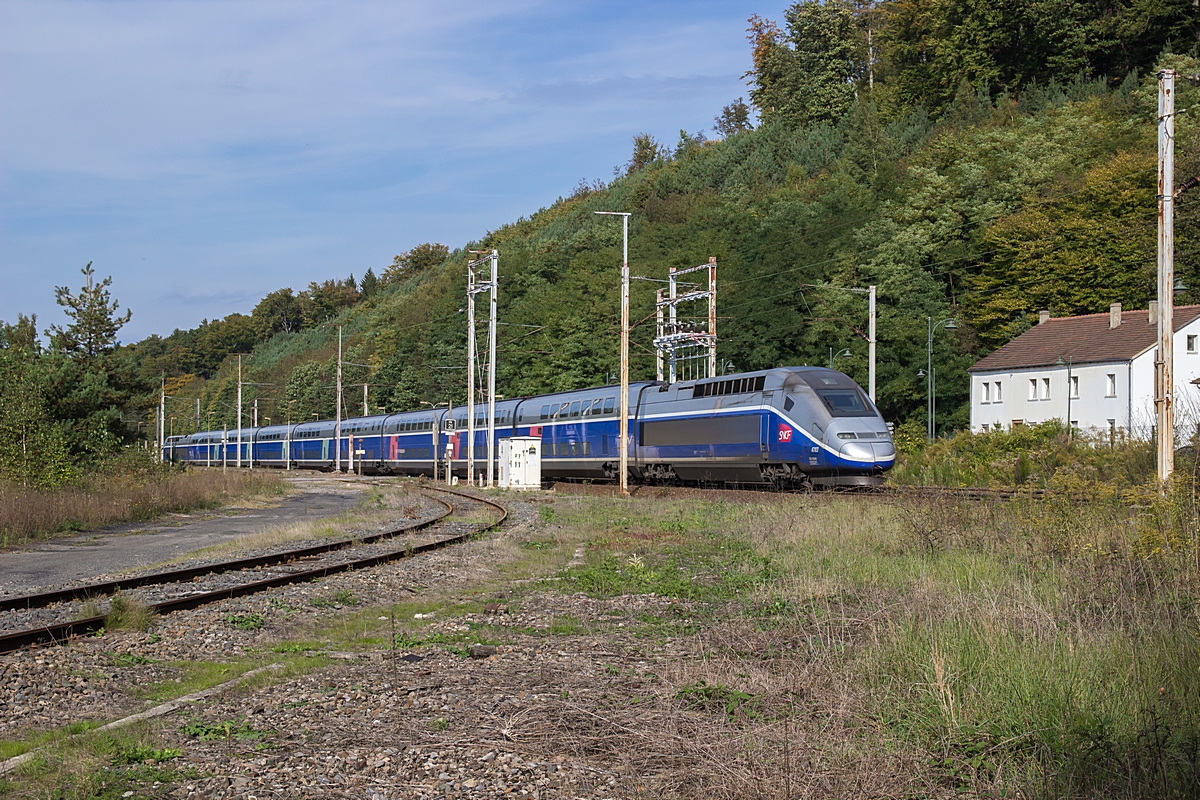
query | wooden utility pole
[1164, 400]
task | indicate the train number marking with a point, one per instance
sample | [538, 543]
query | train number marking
[785, 433]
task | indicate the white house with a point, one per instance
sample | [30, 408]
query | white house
[1096, 370]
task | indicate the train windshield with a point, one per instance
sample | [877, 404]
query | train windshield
[845, 403]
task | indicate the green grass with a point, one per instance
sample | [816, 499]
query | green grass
[246, 622]
[127, 614]
[224, 730]
[1044, 648]
[106, 766]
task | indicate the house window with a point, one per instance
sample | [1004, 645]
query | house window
[984, 426]
[1045, 388]
[1075, 386]
[987, 393]
[998, 396]
[1110, 385]
[1033, 388]
[1191, 343]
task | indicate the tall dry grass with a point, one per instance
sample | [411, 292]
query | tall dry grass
[28, 514]
[1024, 648]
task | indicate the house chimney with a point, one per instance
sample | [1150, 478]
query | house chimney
[1152, 317]
[1043, 316]
[1114, 316]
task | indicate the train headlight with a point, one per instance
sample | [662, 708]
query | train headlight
[846, 435]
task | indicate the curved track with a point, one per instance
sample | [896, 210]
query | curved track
[55, 633]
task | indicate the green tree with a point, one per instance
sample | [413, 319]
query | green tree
[33, 450]
[94, 320]
[930, 46]
[370, 284]
[646, 150]
[414, 262]
[22, 335]
[734, 118]
[809, 74]
[278, 312]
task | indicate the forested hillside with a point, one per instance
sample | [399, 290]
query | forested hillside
[974, 161]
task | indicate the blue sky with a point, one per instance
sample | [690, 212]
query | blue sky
[205, 153]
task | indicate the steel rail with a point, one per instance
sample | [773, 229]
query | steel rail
[43, 599]
[58, 633]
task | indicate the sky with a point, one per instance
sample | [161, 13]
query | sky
[206, 153]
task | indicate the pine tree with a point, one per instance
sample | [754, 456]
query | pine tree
[94, 321]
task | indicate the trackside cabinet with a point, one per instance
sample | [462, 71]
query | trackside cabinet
[521, 463]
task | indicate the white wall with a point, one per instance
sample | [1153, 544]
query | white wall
[1129, 409]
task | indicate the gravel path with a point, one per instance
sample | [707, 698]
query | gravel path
[85, 556]
[534, 694]
[417, 509]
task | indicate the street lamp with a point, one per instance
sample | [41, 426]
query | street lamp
[843, 354]
[931, 378]
[1068, 365]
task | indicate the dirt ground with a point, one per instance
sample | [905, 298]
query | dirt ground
[491, 669]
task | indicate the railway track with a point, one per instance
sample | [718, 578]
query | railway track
[280, 569]
[667, 492]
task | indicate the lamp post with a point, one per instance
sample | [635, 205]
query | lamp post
[843, 354]
[1068, 365]
[930, 379]
[624, 434]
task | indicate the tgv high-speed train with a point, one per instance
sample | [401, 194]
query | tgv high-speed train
[792, 426]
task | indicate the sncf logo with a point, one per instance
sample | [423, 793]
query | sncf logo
[785, 433]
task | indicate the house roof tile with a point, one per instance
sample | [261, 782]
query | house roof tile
[1082, 340]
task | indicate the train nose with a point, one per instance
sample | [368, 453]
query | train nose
[859, 451]
[876, 451]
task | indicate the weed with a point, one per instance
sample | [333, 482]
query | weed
[566, 625]
[405, 641]
[128, 659]
[320, 602]
[532, 545]
[127, 614]
[227, 730]
[718, 697]
[345, 597]
[546, 513]
[439, 724]
[246, 622]
[141, 755]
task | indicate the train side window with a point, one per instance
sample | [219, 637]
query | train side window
[609, 404]
[587, 448]
[788, 403]
[545, 412]
[563, 410]
[575, 409]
